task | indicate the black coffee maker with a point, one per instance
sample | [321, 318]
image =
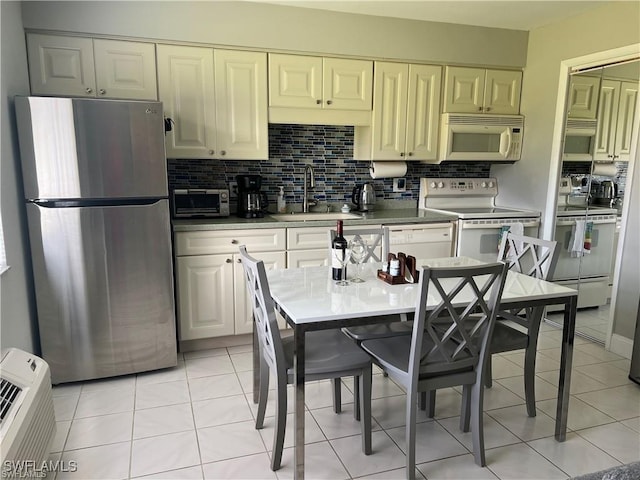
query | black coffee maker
[252, 203]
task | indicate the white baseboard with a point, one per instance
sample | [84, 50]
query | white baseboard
[622, 346]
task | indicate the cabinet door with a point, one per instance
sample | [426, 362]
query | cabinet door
[295, 81]
[61, 65]
[607, 120]
[347, 84]
[243, 308]
[205, 296]
[389, 111]
[308, 258]
[125, 69]
[583, 97]
[241, 105]
[502, 92]
[464, 90]
[185, 85]
[626, 114]
[423, 111]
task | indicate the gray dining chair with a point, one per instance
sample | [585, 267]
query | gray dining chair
[518, 329]
[441, 354]
[329, 354]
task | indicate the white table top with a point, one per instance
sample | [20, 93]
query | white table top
[310, 295]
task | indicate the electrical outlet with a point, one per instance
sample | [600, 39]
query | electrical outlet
[399, 184]
[233, 189]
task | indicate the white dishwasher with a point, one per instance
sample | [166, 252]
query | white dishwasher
[422, 240]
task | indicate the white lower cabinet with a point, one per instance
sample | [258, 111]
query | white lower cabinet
[211, 293]
[307, 247]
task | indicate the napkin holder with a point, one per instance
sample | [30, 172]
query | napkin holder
[408, 271]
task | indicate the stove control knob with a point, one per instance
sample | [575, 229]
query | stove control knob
[433, 185]
[491, 184]
[483, 184]
[440, 185]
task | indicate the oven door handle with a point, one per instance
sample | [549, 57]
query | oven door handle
[571, 222]
[473, 225]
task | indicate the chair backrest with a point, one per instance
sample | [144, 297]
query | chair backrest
[454, 336]
[377, 242]
[264, 314]
[528, 255]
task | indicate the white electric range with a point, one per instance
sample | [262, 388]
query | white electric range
[586, 272]
[480, 223]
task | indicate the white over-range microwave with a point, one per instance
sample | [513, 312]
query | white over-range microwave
[481, 137]
[579, 140]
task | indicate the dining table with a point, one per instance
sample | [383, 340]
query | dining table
[309, 299]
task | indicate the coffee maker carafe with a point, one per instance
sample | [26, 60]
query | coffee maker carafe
[252, 203]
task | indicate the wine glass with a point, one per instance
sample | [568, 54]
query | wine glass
[342, 257]
[359, 248]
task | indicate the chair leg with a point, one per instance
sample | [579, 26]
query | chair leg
[364, 400]
[263, 393]
[356, 397]
[430, 403]
[465, 411]
[410, 433]
[281, 423]
[337, 395]
[488, 382]
[477, 424]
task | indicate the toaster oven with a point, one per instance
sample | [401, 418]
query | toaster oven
[200, 203]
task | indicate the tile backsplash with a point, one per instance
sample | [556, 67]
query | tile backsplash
[329, 149]
[584, 168]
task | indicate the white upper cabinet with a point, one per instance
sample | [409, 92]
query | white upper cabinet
[583, 97]
[185, 86]
[479, 90]
[241, 104]
[301, 81]
[406, 106]
[75, 66]
[616, 114]
[217, 100]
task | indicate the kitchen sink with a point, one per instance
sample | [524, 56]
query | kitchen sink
[305, 217]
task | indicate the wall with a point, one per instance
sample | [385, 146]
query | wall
[275, 27]
[17, 320]
[329, 149]
[534, 178]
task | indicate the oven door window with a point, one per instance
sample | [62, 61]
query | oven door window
[482, 243]
[595, 264]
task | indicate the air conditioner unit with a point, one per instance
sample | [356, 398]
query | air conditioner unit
[27, 420]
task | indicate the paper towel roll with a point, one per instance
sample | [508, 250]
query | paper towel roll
[604, 169]
[388, 169]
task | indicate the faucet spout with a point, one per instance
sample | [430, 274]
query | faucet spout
[309, 178]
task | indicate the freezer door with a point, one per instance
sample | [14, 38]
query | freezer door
[104, 289]
[84, 148]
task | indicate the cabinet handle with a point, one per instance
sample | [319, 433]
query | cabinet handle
[410, 154]
[88, 90]
[329, 102]
[102, 91]
[479, 109]
[234, 242]
[211, 152]
[228, 260]
[318, 102]
[402, 154]
[610, 156]
[223, 152]
[488, 109]
[238, 261]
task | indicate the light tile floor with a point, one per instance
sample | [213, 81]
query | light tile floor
[196, 421]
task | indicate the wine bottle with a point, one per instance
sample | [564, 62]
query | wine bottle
[338, 247]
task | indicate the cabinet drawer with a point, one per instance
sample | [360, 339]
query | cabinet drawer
[306, 238]
[228, 241]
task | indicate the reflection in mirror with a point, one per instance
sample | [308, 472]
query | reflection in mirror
[600, 117]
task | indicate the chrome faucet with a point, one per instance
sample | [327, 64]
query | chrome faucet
[308, 169]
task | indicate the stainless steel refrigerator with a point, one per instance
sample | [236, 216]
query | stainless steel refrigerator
[95, 185]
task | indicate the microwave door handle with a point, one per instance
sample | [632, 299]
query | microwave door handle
[505, 143]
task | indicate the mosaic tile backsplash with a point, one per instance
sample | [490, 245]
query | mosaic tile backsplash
[329, 149]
